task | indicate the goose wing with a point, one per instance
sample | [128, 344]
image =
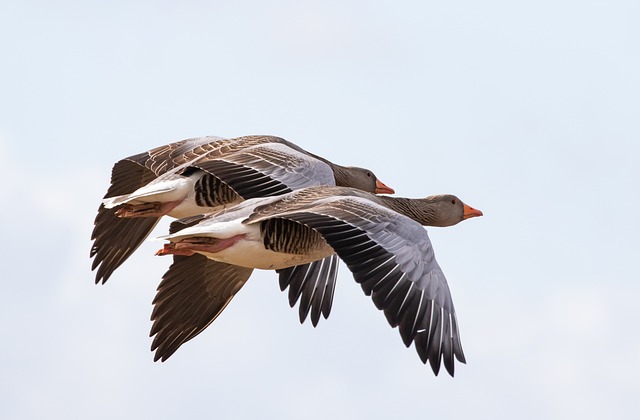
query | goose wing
[392, 258]
[166, 158]
[114, 238]
[266, 169]
[193, 292]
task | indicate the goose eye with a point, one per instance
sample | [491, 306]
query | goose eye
[453, 201]
[369, 174]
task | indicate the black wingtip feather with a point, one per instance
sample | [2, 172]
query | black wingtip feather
[312, 284]
[327, 302]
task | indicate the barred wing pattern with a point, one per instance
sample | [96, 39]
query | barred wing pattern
[391, 256]
[166, 158]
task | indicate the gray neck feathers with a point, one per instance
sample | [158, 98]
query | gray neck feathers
[422, 210]
[341, 174]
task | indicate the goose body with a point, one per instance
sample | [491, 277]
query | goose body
[225, 237]
[203, 175]
[381, 239]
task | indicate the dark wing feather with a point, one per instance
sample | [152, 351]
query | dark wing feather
[193, 292]
[314, 284]
[247, 182]
[115, 239]
[392, 258]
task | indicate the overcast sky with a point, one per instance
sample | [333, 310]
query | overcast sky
[529, 111]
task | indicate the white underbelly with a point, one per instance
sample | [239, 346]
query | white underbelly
[252, 254]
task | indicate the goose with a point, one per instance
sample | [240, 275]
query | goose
[380, 238]
[202, 175]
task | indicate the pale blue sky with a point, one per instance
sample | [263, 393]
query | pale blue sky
[529, 111]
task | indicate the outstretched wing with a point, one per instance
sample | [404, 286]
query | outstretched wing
[392, 258]
[115, 239]
[193, 292]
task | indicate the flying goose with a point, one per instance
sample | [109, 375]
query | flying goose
[202, 175]
[381, 239]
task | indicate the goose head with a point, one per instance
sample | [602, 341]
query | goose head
[360, 178]
[447, 210]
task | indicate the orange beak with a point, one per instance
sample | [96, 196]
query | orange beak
[470, 212]
[382, 189]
